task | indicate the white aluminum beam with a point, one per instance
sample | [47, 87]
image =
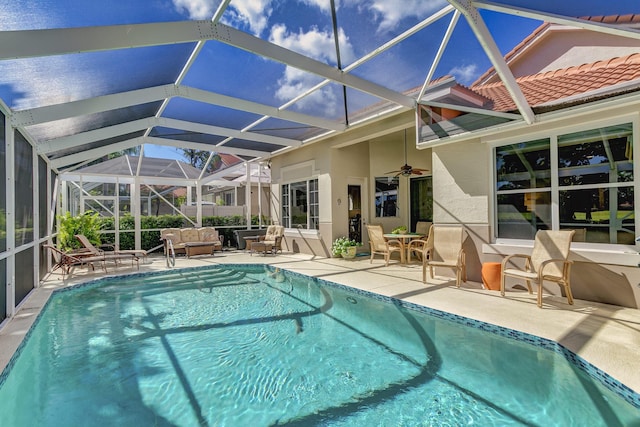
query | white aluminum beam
[114, 101]
[510, 116]
[95, 153]
[490, 47]
[253, 107]
[61, 41]
[559, 19]
[205, 147]
[217, 130]
[66, 142]
[98, 104]
[266, 49]
[37, 43]
[439, 53]
[82, 138]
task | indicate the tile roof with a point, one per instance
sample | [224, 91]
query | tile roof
[632, 20]
[558, 84]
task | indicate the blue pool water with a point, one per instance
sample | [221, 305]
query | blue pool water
[241, 346]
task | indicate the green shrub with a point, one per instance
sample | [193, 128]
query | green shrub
[87, 223]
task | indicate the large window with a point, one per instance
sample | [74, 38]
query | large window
[387, 196]
[591, 183]
[300, 205]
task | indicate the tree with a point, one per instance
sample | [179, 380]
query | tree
[198, 159]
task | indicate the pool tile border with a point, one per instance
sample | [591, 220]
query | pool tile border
[592, 371]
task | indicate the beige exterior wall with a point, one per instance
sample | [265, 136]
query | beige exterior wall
[564, 47]
[463, 193]
[349, 158]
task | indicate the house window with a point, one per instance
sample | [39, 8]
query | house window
[300, 207]
[228, 198]
[387, 196]
[588, 175]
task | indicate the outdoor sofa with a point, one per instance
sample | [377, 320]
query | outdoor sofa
[193, 241]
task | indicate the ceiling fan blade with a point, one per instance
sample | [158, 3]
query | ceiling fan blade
[416, 172]
[421, 170]
[393, 172]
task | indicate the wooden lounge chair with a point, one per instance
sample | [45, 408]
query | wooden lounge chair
[445, 251]
[65, 261]
[380, 245]
[548, 261]
[114, 256]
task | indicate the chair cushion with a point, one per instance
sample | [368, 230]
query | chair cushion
[207, 234]
[176, 234]
[189, 235]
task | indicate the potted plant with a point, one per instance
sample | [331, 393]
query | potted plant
[399, 230]
[344, 247]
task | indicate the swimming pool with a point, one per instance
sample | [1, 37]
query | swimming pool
[238, 345]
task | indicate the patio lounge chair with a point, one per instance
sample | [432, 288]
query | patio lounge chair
[66, 262]
[273, 236]
[548, 261]
[445, 251]
[114, 256]
[380, 245]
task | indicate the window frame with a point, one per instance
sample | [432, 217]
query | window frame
[553, 135]
[312, 203]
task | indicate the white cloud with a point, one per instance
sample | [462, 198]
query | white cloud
[465, 74]
[314, 43]
[196, 9]
[319, 45]
[324, 5]
[294, 82]
[252, 13]
[390, 13]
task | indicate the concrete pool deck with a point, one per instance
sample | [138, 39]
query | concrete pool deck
[604, 335]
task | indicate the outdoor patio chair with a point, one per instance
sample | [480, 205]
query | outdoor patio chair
[114, 256]
[380, 245]
[423, 227]
[445, 251]
[65, 262]
[548, 261]
[273, 236]
[421, 247]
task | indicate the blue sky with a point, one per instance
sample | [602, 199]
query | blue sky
[304, 26]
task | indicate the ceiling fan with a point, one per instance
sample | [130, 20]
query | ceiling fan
[407, 170]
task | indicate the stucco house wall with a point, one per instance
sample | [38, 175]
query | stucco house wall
[462, 175]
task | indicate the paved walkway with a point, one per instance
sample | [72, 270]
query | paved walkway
[606, 336]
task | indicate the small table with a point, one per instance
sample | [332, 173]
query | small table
[261, 247]
[491, 275]
[199, 248]
[404, 239]
[249, 242]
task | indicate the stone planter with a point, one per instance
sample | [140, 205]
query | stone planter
[349, 252]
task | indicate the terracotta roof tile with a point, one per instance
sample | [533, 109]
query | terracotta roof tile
[557, 84]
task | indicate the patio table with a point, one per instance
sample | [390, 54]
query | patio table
[404, 240]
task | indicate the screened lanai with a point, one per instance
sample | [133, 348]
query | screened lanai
[255, 79]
